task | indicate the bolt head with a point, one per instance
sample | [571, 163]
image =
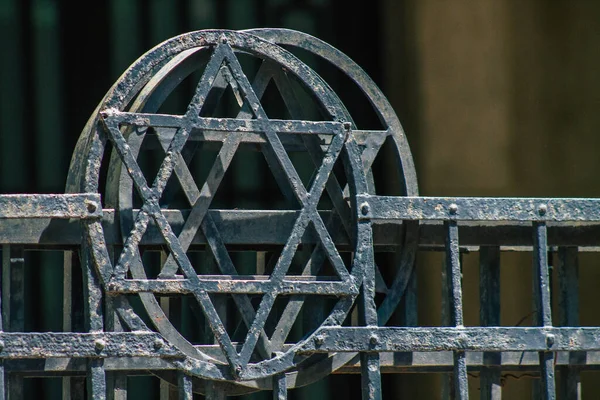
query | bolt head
[99, 344]
[374, 340]
[542, 209]
[452, 209]
[347, 125]
[364, 209]
[550, 339]
[237, 371]
[158, 344]
[92, 206]
[319, 340]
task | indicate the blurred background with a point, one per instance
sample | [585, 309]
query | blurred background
[497, 98]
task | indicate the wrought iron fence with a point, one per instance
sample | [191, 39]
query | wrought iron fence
[153, 282]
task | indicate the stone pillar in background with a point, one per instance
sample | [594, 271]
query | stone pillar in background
[498, 98]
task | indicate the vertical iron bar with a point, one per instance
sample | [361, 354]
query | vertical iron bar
[568, 300]
[167, 391]
[370, 375]
[67, 311]
[447, 383]
[72, 387]
[369, 361]
[96, 380]
[3, 306]
[94, 316]
[279, 387]
[13, 301]
[461, 388]
[94, 320]
[543, 306]
[185, 386]
[489, 315]
[13, 288]
[116, 381]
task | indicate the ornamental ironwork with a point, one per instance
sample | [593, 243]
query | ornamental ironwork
[141, 223]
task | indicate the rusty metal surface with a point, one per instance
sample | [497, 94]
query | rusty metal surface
[59, 206]
[479, 209]
[152, 274]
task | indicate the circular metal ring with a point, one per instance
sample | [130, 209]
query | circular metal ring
[144, 87]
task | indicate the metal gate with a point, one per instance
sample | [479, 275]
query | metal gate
[162, 277]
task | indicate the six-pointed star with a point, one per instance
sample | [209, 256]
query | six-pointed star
[224, 65]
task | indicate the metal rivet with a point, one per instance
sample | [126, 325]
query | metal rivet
[99, 344]
[542, 209]
[223, 39]
[158, 344]
[364, 208]
[453, 208]
[374, 340]
[319, 340]
[550, 340]
[347, 126]
[92, 206]
[237, 371]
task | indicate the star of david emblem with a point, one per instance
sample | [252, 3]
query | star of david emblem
[224, 66]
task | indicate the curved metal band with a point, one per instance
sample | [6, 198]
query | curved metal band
[151, 79]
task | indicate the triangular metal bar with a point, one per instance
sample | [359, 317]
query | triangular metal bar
[150, 198]
[209, 77]
[335, 191]
[199, 217]
[309, 203]
[307, 214]
[149, 195]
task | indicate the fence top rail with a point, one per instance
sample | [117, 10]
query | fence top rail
[479, 208]
[63, 206]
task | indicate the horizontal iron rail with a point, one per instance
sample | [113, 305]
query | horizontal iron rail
[107, 344]
[419, 361]
[290, 142]
[372, 339]
[61, 206]
[399, 362]
[422, 343]
[226, 125]
[265, 228]
[479, 208]
[224, 285]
